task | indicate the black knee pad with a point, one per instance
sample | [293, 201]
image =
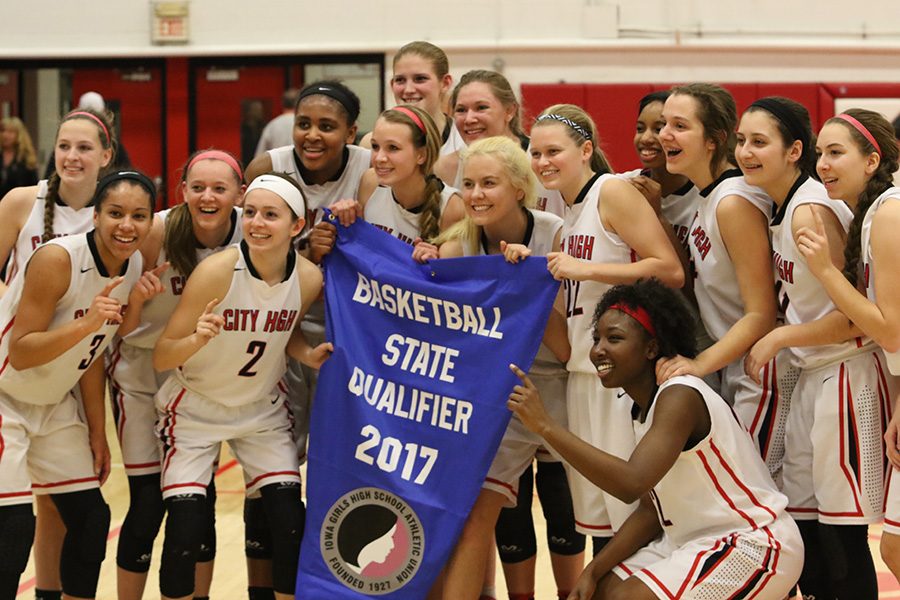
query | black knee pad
[849, 561]
[258, 593]
[514, 531]
[86, 516]
[556, 504]
[257, 537]
[184, 528]
[285, 512]
[207, 550]
[16, 537]
[141, 525]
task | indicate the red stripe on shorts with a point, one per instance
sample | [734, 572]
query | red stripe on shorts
[67, 482]
[845, 400]
[171, 435]
[502, 484]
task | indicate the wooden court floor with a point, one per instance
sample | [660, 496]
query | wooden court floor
[230, 580]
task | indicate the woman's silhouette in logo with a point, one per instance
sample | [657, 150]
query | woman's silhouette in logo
[366, 537]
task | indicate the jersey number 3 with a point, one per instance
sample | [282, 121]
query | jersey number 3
[92, 351]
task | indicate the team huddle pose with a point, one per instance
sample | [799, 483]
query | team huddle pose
[712, 401]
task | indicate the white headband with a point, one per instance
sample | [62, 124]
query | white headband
[288, 192]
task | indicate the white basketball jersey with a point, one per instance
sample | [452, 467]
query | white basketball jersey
[719, 486]
[678, 208]
[801, 297]
[893, 359]
[155, 313]
[550, 201]
[715, 285]
[387, 214]
[585, 238]
[66, 221]
[344, 186]
[50, 382]
[454, 141]
[247, 359]
[539, 235]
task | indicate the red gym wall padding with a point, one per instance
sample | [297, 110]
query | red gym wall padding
[140, 101]
[614, 106]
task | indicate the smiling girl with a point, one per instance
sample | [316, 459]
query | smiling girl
[29, 216]
[207, 222]
[200, 405]
[484, 105]
[857, 157]
[840, 379]
[327, 166]
[400, 194]
[498, 191]
[731, 260]
[710, 523]
[671, 195]
[610, 235]
[421, 77]
[59, 315]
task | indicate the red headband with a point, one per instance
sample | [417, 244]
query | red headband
[412, 116]
[862, 129]
[92, 117]
[639, 314]
[218, 155]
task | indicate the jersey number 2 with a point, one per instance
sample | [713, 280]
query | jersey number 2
[255, 349]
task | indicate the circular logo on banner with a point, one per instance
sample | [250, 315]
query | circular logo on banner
[372, 541]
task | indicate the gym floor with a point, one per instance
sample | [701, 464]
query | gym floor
[230, 579]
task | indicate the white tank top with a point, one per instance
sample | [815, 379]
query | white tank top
[585, 238]
[245, 362]
[715, 285]
[550, 201]
[539, 235]
[50, 382]
[720, 485]
[801, 297]
[344, 186]
[155, 313]
[454, 142]
[66, 221]
[893, 358]
[387, 214]
[678, 208]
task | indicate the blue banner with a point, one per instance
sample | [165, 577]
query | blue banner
[410, 408]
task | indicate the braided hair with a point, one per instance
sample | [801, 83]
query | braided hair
[881, 179]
